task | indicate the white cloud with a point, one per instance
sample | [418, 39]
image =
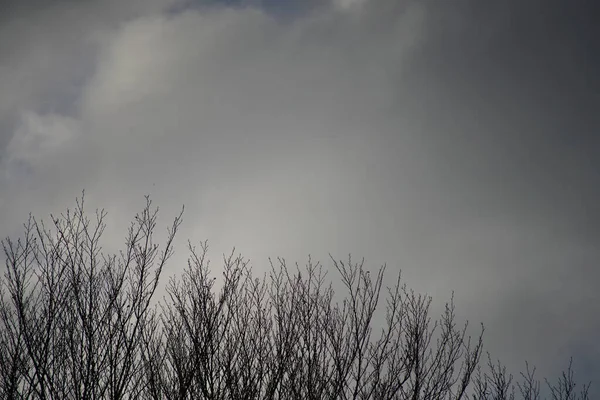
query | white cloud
[348, 4]
[39, 138]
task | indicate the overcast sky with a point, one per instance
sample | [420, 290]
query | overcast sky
[455, 140]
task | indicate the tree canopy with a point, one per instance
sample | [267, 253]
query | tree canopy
[76, 323]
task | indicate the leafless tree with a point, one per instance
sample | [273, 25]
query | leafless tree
[78, 324]
[497, 384]
[72, 318]
[286, 336]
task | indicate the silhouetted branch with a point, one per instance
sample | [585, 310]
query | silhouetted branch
[76, 323]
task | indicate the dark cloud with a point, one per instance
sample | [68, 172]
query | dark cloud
[505, 95]
[455, 140]
[511, 91]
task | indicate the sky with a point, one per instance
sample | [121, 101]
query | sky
[456, 141]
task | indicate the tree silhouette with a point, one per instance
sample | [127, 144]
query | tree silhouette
[76, 323]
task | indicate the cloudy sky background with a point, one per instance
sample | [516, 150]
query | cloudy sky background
[455, 140]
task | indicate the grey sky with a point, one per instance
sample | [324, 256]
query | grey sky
[457, 141]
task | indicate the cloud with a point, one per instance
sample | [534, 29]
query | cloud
[348, 4]
[452, 141]
[37, 139]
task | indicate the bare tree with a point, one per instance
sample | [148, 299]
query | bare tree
[76, 323]
[498, 384]
[285, 337]
[73, 318]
